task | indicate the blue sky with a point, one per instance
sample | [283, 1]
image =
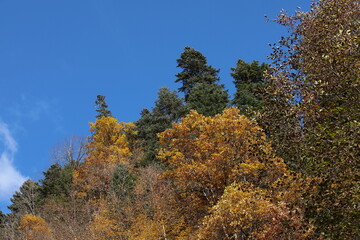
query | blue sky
[56, 56]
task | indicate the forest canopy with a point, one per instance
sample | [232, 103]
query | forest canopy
[278, 160]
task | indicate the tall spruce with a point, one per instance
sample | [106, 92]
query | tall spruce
[249, 82]
[200, 84]
[168, 108]
[57, 182]
[208, 99]
[195, 70]
[102, 107]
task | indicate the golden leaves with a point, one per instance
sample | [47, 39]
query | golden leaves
[34, 228]
[108, 146]
[227, 152]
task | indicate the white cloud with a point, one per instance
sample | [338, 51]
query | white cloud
[10, 178]
[7, 139]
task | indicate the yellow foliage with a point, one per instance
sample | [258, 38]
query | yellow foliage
[207, 155]
[108, 146]
[156, 215]
[34, 228]
[105, 225]
[248, 212]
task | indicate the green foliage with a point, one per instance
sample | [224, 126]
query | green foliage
[223, 176]
[122, 181]
[26, 200]
[208, 99]
[199, 84]
[57, 182]
[195, 70]
[168, 108]
[102, 107]
[249, 81]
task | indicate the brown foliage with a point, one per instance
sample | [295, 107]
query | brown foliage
[313, 109]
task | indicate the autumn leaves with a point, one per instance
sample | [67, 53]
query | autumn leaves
[217, 178]
[227, 176]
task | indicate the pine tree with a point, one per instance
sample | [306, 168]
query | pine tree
[168, 108]
[208, 99]
[102, 107]
[249, 81]
[57, 182]
[195, 70]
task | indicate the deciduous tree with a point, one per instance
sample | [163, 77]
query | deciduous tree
[107, 147]
[313, 111]
[34, 228]
[207, 154]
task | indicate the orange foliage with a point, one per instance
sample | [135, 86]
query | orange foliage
[34, 228]
[207, 155]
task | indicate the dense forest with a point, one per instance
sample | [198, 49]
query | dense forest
[278, 160]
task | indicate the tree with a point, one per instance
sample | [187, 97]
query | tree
[205, 155]
[314, 102]
[208, 99]
[248, 80]
[107, 147]
[2, 225]
[25, 201]
[34, 228]
[71, 151]
[195, 70]
[245, 212]
[105, 225]
[155, 213]
[122, 181]
[57, 182]
[102, 107]
[168, 108]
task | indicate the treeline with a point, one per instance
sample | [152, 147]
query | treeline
[278, 161]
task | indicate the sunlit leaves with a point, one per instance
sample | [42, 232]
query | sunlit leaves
[107, 147]
[207, 155]
[34, 228]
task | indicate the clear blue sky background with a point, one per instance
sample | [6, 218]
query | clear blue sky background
[56, 56]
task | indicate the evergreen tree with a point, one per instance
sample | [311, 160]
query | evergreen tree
[208, 99]
[102, 107]
[123, 181]
[249, 81]
[26, 200]
[168, 108]
[57, 182]
[195, 70]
